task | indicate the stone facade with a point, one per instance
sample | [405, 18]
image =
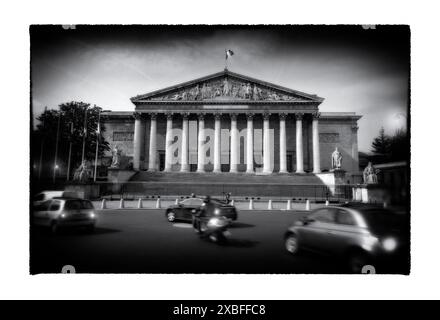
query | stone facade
[279, 111]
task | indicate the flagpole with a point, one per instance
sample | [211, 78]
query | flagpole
[70, 150]
[98, 132]
[84, 135]
[42, 145]
[226, 60]
[55, 165]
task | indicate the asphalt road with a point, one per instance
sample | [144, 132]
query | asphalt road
[143, 241]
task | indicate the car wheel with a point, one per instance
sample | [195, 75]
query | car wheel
[291, 244]
[356, 261]
[171, 216]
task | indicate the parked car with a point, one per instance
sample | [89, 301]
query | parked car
[185, 209]
[360, 234]
[65, 212]
[47, 195]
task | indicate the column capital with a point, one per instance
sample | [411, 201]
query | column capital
[137, 115]
[299, 116]
[201, 116]
[217, 116]
[250, 115]
[354, 128]
[169, 115]
[233, 116]
[282, 116]
[316, 115]
[153, 115]
[266, 115]
[185, 115]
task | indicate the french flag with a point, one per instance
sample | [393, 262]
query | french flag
[229, 53]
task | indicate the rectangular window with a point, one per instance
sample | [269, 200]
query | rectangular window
[123, 135]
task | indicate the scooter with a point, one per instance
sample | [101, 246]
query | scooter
[212, 228]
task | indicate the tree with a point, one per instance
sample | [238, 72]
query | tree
[392, 148]
[71, 117]
[381, 144]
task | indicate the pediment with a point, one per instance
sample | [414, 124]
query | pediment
[226, 86]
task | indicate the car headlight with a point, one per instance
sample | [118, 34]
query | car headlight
[217, 211]
[369, 242]
[62, 216]
[92, 215]
[389, 244]
[217, 222]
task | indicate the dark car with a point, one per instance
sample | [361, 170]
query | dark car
[188, 207]
[361, 234]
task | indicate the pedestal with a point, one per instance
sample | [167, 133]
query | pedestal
[371, 193]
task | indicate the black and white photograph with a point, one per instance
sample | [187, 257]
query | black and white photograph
[220, 149]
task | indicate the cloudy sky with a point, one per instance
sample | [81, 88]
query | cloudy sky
[355, 70]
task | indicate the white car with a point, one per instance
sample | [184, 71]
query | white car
[65, 212]
[39, 198]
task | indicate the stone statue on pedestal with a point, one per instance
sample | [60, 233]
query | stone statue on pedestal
[336, 159]
[116, 160]
[370, 174]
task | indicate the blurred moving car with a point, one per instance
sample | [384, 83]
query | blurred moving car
[47, 195]
[185, 210]
[361, 234]
[65, 212]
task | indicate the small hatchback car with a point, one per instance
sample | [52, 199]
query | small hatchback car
[64, 212]
[360, 234]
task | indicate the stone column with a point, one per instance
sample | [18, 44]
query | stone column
[138, 140]
[153, 148]
[201, 142]
[217, 143]
[250, 144]
[234, 144]
[299, 144]
[283, 153]
[184, 167]
[168, 142]
[316, 155]
[266, 144]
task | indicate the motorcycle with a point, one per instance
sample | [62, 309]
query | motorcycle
[212, 228]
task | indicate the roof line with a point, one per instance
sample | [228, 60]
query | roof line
[315, 98]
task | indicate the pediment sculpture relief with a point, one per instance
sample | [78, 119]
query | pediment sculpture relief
[228, 88]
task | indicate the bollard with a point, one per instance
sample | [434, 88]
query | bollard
[385, 205]
[103, 204]
[251, 204]
[307, 205]
[121, 203]
[289, 205]
[326, 202]
[269, 205]
[140, 203]
[158, 203]
[177, 201]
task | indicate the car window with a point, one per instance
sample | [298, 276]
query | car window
[324, 215]
[43, 206]
[344, 217]
[39, 197]
[192, 202]
[55, 206]
[78, 205]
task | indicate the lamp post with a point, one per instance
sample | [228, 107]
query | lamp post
[84, 134]
[55, 164]
[98, 132]
[40, 164]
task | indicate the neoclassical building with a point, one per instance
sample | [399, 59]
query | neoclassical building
[230, 123]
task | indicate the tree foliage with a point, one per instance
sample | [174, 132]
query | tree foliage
[71, 116]
[392, 148]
